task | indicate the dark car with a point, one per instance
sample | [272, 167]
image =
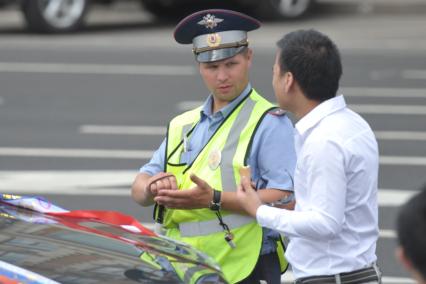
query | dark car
[42, 243]
[50, 16]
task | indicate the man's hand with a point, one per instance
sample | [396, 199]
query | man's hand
[247, 197]
[197, 197]
[161, 181]
[146, 187]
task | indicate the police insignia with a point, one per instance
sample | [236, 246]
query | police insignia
[213, 40]
[210, 21]
[214, 160]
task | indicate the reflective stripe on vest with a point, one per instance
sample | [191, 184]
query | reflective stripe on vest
[228, 153]
[204, 228]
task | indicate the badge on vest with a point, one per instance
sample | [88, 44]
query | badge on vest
[215, 157]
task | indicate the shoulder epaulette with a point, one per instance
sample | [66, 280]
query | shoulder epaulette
[277, 112]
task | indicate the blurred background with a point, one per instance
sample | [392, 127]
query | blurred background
[88, 87]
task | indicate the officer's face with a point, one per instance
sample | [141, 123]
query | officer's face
[227, 78]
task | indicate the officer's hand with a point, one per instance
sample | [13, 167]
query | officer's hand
[194, 198]
[161, 181]
[247, 197]
[203, 190]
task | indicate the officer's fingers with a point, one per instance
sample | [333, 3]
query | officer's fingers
[166, 183]
[167, 201]
[153, 180]
[196, 179]
[200, 182]
[162, 175]
[160, 184]
[161, 200]
[173, 182]
[175, 194]
[153, 189]
[158, 176]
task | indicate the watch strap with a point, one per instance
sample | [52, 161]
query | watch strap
[215, 203]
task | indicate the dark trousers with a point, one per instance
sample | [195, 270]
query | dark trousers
[267, 268]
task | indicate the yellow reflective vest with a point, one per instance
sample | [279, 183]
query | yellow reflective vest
[218, 163]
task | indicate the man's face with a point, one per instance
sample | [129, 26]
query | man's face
[279, 84]
[227, 78]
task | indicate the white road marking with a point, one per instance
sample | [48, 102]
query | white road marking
[123, 130]
[414, 74]
[402, 161]
[388, 109]
[112, 183]
[383, 92]
[387, 234]
[73, 68]
[187, 105]
[401, 135]
[75, 153]
[397, 280]
[147, 154]
[394, 197]
[383, 74]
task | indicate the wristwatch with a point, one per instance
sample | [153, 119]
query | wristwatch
[215, 203]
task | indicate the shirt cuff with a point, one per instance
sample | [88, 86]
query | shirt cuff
[265, 215]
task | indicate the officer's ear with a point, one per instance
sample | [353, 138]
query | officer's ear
[249, 55]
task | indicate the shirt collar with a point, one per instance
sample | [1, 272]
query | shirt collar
[319, 112]
[206, 110]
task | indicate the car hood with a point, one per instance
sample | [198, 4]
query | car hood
[91, 247]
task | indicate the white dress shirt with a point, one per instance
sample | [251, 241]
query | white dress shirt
[334, 227]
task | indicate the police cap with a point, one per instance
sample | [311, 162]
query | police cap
[216, 34]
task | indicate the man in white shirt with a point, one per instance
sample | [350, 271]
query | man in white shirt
[334, 228]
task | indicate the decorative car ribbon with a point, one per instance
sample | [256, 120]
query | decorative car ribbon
[42, 205]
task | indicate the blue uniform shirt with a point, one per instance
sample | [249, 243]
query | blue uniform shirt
[272, 158]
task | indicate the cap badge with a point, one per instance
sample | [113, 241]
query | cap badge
[213, 40]
[210, 21]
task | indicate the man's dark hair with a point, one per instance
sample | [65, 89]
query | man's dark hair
[314, 61]
[411, 228]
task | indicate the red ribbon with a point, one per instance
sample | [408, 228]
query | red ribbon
[106, 217]
[72, 219]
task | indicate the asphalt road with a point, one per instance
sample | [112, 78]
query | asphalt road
[79, 114]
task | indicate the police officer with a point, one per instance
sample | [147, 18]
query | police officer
[193, 175]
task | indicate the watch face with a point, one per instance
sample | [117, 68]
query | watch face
[214, 206]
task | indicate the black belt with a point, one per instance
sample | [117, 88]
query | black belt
[360, 276]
